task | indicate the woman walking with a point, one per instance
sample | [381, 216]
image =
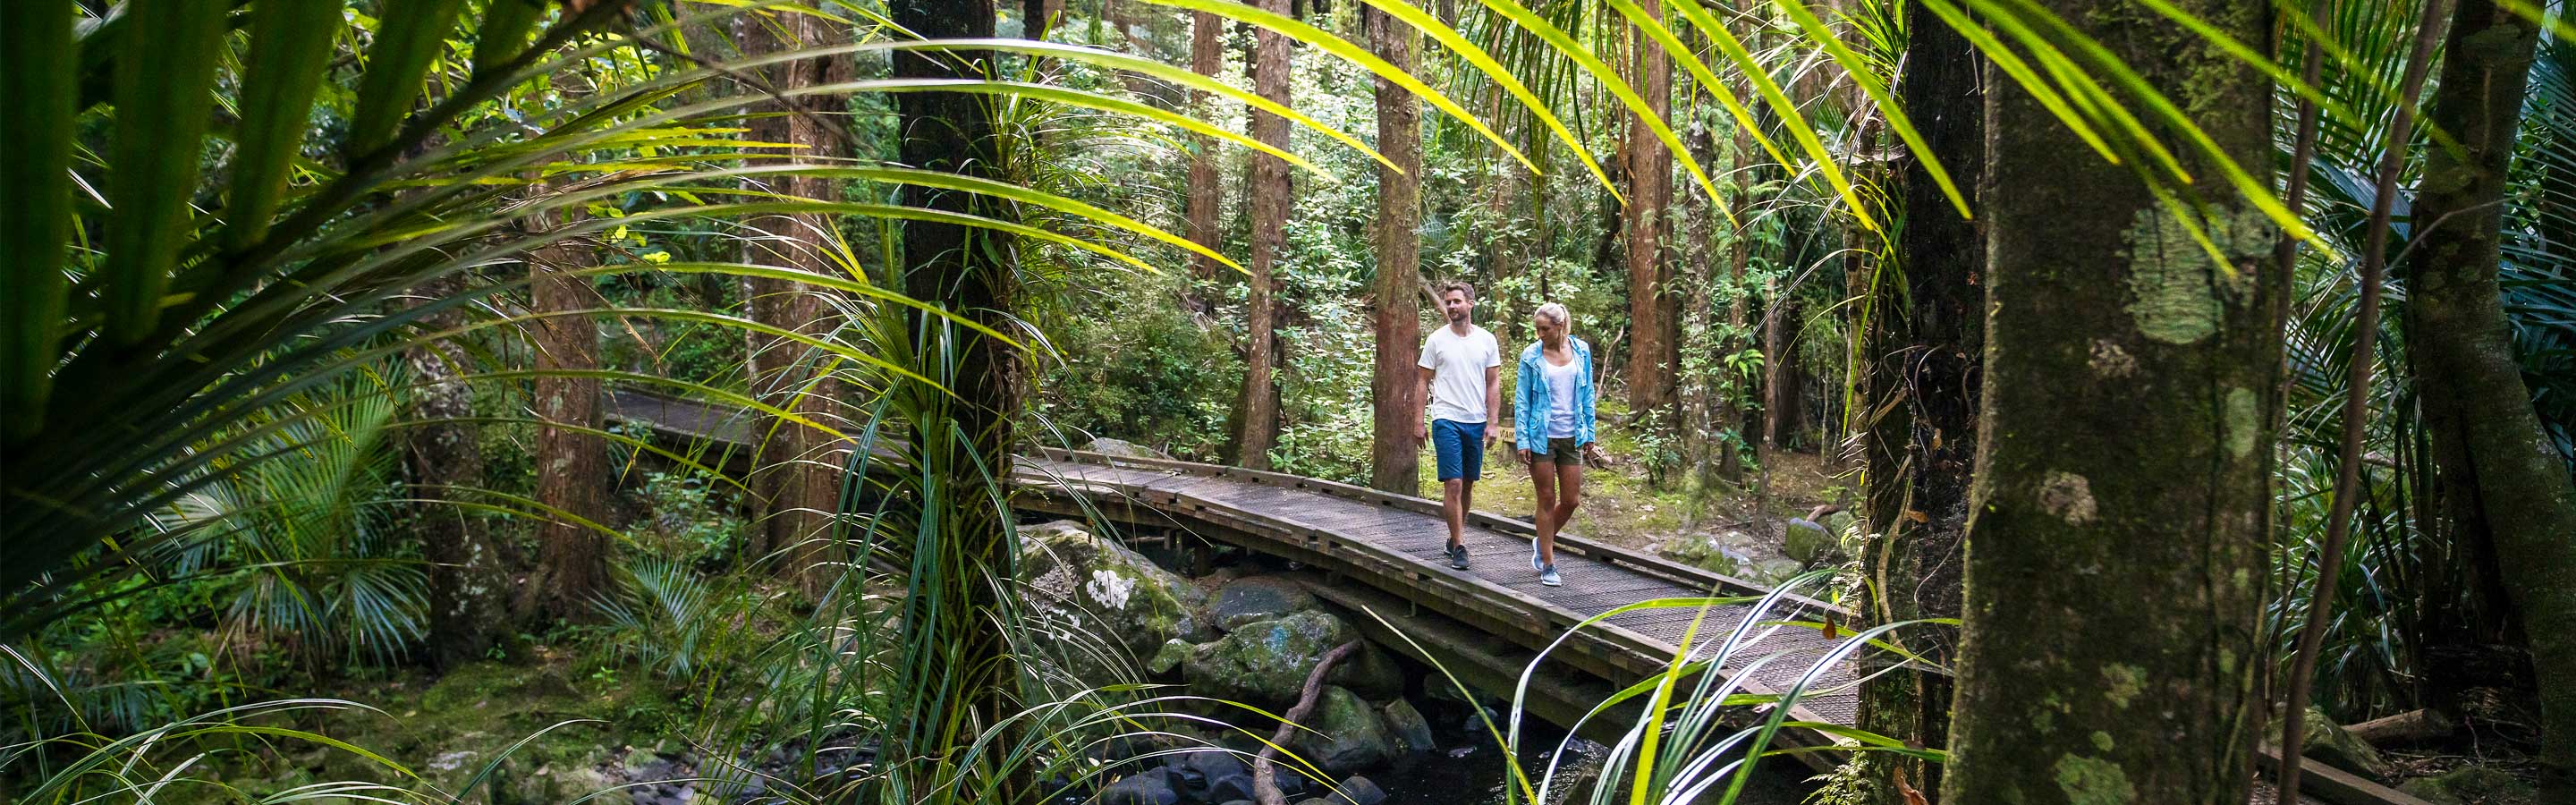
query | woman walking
[1552, 423]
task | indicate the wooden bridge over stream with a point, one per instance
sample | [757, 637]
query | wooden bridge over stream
[1381, 552]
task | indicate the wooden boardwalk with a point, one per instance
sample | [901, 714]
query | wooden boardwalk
[1392, 544]
[1379, 550]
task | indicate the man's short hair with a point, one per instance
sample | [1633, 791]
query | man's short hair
[1459, 286]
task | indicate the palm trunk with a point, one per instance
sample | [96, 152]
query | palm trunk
[572, 465]
[1257, 428]
[1928, 361]
[2502, 484]
[2120, 499]
[1394, 460]
[959, 269]
[1652, 362]
[469, 573]
[793, 471]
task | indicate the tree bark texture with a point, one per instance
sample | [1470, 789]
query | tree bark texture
[1395, 461]
[793, 474]
[966, 272]
[1257, 429]
[1207, 190]
[469, 573]
[2119, 514]
[1654, 328]
[1781, 325]
[2502, 483]
[572, 464]
[1925, 378]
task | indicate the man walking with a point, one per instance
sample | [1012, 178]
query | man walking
[1462, 377]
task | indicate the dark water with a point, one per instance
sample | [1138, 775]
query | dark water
[1470, 769]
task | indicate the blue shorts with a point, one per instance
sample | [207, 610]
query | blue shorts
[1461, 447]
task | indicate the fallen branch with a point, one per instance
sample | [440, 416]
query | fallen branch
[1265, 778]
[2414, 726]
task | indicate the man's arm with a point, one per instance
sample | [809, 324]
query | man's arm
[1422, 391]
[1493, 403]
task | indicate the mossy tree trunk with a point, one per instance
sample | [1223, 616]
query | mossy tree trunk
[572, 464]
[1925, 378]
[1257, 420]
[1653, 330]
[1394, 458]
[2503, 485]
[469, 571]
[2118, 519]
[793, 474]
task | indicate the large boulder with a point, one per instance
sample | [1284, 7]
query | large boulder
[1109, 592]
[1344, 734]
[1357, 790]
[2472, 785]
[1410, 727]
[1810, 543]
[2328, 743]
[1253, 599]
[1151, 787]
[1726, 552]
[1265, 663]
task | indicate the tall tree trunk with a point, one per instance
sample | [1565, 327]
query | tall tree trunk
[1781, 326]
[2118, 522]
[793, 471]
[1395, 460]
[963, 271]
[1257, 429]
[1207, 189]
[469, 571]
[2502, 483]
[572, 465]
[1926, 445]
[1652, 360]
[1037, 17]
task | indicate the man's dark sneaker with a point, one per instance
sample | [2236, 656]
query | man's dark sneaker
[1547, 575]
[1458, 556]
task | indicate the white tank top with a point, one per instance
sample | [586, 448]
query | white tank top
[1561, 381]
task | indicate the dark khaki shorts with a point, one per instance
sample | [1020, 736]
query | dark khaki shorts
[1557, 449]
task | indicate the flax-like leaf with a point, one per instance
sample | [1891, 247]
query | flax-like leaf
[1476, 56]
[1122, 61]
[39, 84]
[1327, 42]
[1871, 85]
[503, 33]
[290, 51]
[165, 73]
[409, 36]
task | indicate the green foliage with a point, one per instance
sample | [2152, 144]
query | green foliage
[689, 519]
[1144, 371]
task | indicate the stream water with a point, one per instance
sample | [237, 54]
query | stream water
[1469, 770]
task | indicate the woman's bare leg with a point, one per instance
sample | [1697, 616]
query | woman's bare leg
[1543, 480]
[1569, 494]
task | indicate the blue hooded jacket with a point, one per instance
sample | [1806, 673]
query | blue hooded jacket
[1530, 397]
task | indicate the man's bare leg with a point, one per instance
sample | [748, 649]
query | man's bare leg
[1453, 507]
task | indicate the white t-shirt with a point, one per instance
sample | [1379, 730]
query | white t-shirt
[1458, 364]
[1561, 381]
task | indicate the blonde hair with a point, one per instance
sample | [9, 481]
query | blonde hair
[1557, 313]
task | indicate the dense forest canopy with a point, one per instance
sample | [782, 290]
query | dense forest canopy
[669, 396]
